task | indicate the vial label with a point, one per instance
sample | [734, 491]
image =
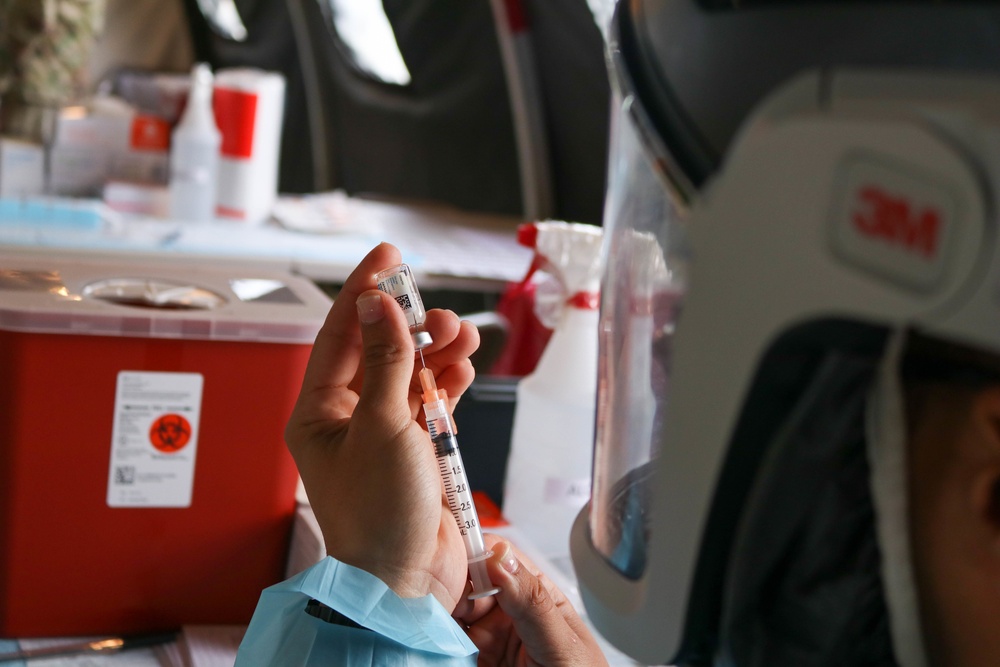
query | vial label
[399, 284]
[398, 288]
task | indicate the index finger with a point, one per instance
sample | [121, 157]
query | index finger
[542, 616]
[337, 351]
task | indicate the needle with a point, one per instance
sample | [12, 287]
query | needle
[423, 364]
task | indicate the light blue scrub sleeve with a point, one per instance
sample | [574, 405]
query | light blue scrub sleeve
[397, 632]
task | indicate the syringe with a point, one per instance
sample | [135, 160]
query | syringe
[456, 484]
[398, 282]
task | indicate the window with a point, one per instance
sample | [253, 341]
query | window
[366, 32]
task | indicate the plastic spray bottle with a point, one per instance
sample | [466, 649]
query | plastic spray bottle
[194, 153]
[548, 472]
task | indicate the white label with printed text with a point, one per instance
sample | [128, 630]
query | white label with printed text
[154, 439]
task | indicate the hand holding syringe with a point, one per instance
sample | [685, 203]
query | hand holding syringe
[362, 451]
[398, 283]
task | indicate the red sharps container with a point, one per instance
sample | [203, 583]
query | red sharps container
[144, 481]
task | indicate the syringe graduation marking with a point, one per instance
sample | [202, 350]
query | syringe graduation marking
[455, 482]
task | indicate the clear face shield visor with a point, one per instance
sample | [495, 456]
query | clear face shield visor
[646, 258]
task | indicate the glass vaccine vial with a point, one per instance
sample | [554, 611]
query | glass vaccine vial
[398, 283]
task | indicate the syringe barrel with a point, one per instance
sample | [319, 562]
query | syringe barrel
[458, 493]
[480, 578]
[439, 424]
[456, 489]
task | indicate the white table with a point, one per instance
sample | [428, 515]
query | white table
[445, 247]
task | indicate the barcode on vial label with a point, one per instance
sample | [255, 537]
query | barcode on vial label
[404, 301]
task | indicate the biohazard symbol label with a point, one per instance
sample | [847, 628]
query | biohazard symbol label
[170, 433]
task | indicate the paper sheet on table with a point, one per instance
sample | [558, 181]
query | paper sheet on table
[138, 657]
[324, 213]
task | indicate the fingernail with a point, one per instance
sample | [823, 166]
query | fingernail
[370, 308]
[508, 561]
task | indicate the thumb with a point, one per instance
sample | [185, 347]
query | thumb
[387, 353]
[533, 608]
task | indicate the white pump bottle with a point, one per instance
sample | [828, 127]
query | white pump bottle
[194, 153]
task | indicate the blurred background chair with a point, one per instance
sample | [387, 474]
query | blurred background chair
[444, 134]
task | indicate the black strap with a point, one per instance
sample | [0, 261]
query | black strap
[330, 615]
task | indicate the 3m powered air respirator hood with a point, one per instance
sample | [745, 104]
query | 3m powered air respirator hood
[797, 191]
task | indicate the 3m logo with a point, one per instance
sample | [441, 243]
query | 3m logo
[895, 220]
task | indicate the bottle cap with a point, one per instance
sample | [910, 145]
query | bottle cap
[421, 339]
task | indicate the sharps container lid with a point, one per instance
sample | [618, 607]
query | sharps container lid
[45, 295]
